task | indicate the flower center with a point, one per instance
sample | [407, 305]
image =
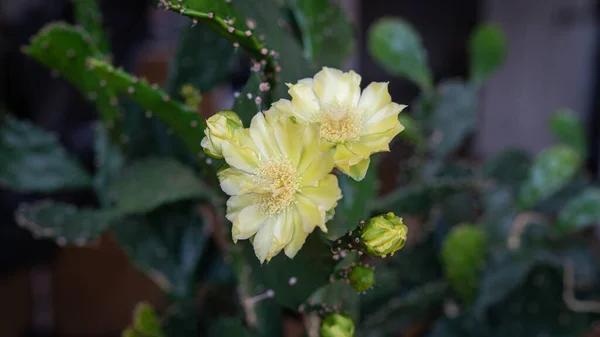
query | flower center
[339, 124]
[277, 183]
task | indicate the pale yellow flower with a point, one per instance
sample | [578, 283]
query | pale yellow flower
[220, 127]
[280, 184]
[352, 124]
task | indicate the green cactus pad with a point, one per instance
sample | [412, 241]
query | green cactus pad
[146, 320]
[33, 160]
[108, 160]
[64, 49]
[88, 15]
[250, 100]
[186, 124]
[327, 35]
[64, 223]
[166, 244]
[149, 183]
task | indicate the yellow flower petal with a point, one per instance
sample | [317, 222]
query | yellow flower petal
[248, 222]
[378, 142]
[263, 240]
[235, 182]
[262, 135]
[343, 158]
[359, 171]
[373, 98]
[334, 87]
[283, 230]
[318, 169]
[312, 214]
[240, 157]
[326, 193]
[304, 101]
[310, 147]
[287, 136]
[379, 118]
[299, 235]
[236, 204]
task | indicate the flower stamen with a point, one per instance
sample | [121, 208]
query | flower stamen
[277, 183]
[339, 124]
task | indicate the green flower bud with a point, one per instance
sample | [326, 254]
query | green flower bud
[463, 255]
[337, 325]
[384, 235]
[361, 278]
[221, 126]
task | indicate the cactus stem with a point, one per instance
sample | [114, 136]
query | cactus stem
[246, 39]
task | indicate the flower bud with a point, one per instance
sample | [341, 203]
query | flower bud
[463, 254]
[220, 127]
[337, 325]
[361, 278]
[383, 235]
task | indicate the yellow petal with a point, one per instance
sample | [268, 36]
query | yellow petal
[333, 87]
[390, 110]
[326, 193]
[373, 98]
[287, 135]
[318, 169]
[237, 203]
[310, 147]
[343, 158]
[304, 102]
[299, 235]
[283, 230]
[240, 157]
[248, 222]
[378, 142]
[359, 171]
[235, 182]
[263, 240]
[262, 135]
[312, 214]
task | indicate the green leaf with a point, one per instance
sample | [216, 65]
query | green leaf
[33, 160]
[64, 223]
[552, 169]
[89, 16]
[166, 244]
[294, 280]
[506, 274]
[454, 117]
[202, 67]
[108, 160]
[568, 129]
[498, 216]
[327, 34]
[229, 327]
[186, 124]
[397, 47]
[339, 295]
[149, 183]
[487, 49]
[65, 49]
[581, 211]
[146, 321]
[355, 205]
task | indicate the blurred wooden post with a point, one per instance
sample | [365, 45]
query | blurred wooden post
[551, 52]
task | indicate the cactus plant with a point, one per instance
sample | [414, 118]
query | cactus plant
[158, 194]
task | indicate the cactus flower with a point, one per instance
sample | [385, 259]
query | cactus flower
[361, 278]
[280, 184]
[384, 235]
[352, 124]
[222, 126]
[337, 325]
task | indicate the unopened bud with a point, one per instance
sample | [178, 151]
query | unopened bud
[384, 235]
[361, 278]
[220, 127]
[337, 325]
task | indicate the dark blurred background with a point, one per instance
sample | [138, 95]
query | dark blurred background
[552, 62]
